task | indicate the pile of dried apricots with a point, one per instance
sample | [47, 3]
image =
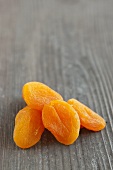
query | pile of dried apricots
[47, 109]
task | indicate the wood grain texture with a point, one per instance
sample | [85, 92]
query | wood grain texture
[67, 44]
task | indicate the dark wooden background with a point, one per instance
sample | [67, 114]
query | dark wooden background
[67, 44]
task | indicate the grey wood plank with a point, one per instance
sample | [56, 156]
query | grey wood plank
[69, 46]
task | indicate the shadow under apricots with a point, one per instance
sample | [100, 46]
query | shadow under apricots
[85, 132]
[48, 138]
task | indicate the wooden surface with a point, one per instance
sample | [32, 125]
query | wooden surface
[67, 44]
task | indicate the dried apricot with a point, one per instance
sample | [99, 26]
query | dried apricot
[28, 127]
[88, 118]
[62, 121]
[37, 94]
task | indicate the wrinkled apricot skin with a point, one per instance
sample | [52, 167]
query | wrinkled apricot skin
[62, 121]
[88, 118]
[37, 94]
[28, 127]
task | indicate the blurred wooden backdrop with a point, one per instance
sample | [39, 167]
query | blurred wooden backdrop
[67, 44]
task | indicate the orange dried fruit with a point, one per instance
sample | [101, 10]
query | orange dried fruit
[37, 94]
[28, 127]
[88, 118]
[62, 121]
